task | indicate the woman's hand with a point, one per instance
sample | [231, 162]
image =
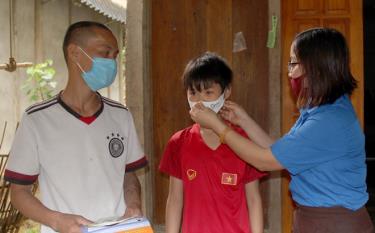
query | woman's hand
[234, 113]
[205, 117]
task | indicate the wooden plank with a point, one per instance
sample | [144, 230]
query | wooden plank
[250, 68]
[178, 35]
[219, 28]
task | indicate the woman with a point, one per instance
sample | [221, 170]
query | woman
[324, 150]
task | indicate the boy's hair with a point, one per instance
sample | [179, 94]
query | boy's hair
[324, 56]
[207, 69]
[79, 32]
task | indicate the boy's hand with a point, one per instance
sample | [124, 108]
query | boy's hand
[70, 223]
[233, 113]
[205, 117]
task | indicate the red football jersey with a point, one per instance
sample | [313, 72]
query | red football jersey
[213, 180]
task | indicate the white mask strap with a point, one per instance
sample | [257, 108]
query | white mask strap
[80, 67]
[85, 53]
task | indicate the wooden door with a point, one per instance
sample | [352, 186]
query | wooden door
[182, 30]
[297, 16]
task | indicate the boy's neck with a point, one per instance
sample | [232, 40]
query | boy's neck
[210, 138]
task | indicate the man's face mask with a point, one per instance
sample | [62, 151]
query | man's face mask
[215, 105]
[102, 74]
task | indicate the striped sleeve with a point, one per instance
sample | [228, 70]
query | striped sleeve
[23, 162]
[135, 156]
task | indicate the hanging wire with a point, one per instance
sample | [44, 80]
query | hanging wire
[11, 27]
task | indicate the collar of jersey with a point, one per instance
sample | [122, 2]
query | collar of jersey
[77, 115]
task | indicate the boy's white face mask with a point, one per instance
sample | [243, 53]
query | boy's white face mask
[215, 105]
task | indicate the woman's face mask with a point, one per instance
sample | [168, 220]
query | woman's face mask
[102, 74]
[295, 73]
[296, 85]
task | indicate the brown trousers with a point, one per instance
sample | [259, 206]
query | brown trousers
[331, 220]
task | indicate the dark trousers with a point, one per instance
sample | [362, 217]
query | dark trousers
[331, 220]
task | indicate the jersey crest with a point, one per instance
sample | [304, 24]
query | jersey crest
[115, 145]
[191, 174]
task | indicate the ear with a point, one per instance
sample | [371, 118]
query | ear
[227, 92]
[73, 52]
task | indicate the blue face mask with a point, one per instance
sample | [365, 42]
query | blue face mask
[102, 74]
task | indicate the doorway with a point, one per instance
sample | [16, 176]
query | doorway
[369, 98]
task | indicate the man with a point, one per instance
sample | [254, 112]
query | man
[81, 147]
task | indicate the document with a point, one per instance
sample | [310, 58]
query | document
[130, 225]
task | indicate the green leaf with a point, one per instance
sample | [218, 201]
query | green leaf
[53, 84]
[49, 62]
[47, 76]
[40, 82]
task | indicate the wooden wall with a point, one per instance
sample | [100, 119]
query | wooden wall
[182, 30]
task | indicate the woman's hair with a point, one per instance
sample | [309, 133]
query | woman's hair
[205, 70]
[324, 57]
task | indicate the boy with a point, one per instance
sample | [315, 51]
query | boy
[210, 188]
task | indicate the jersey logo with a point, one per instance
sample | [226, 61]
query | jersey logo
[228, 178]
[191, 174]
[115, 145]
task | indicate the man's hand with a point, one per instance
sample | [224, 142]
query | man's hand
[132, 192]
[133, 212]
[70, 223]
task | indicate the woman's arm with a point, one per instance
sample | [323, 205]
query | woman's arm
[235, 114]
[258, 156]
[174, 205]
[254, 205]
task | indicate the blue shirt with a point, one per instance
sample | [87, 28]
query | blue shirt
[325, 154]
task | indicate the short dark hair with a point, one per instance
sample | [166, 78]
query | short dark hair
[207, 69]
[324, 56]
[79, 32]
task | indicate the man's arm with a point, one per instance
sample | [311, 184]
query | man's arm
[132, 193]
[23, 200]
[254, 205]
[174, 205]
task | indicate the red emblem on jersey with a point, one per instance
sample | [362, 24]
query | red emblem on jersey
[228, 178]
[191, 174]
